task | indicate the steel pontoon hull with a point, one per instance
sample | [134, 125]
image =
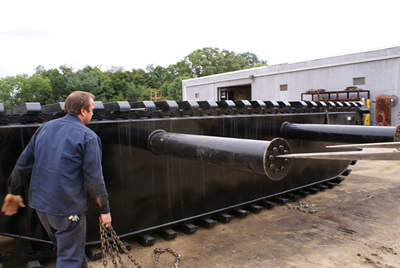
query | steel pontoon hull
[149, 191]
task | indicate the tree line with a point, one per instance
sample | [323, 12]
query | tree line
[116, 84]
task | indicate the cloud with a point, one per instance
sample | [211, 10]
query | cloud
[24, 32]
[133, 34]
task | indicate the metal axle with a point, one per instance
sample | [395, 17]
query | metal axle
[251, 155]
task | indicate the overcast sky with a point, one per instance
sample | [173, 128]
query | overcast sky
[134, 34]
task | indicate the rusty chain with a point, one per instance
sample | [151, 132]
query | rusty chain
[111, 243]
[159, 251]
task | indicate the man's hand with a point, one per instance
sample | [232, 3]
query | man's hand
[11, 204]
[106, 219]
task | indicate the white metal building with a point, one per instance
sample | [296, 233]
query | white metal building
[377, 71]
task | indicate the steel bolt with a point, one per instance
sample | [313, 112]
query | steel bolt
[286, 161]
[272, 166]
[285, 152]
[283, 168]
[275, 149]
[277, 171]
[281, 147]
[271, 157]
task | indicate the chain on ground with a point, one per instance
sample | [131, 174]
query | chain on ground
[111, 244]
[304, 207]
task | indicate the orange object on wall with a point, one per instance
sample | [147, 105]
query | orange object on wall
[383, 110]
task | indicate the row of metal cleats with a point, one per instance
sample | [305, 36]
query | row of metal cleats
[33, 112]
[171, 232]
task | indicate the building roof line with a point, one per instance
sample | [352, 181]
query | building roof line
[252, 76]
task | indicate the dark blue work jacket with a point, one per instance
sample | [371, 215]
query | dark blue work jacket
[64, 161]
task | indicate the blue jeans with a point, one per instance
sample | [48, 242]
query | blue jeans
[69, 236]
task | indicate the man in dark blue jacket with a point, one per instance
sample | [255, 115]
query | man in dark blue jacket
[63, 161]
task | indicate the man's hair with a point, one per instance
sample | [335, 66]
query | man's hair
[76, 101]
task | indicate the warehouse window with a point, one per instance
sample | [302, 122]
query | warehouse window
[283, 87]
[358, 81]
[196, 95]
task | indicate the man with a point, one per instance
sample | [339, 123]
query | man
[63, 160]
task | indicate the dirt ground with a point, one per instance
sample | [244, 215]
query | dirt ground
[356, 225]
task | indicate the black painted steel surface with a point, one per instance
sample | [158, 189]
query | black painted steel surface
[149, 191]
[250, 155]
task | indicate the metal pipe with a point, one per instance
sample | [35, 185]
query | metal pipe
[340, 133]
[388, 154]
[251, 155]
[139, 109]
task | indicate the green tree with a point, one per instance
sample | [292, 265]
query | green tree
[209, 61]
[104, 83]
[119, 81]
[58, 79]
[174, 88]
[250, 60]
[180, 69]
[145, 95]
[154, 76]
[87, 82]
[35, 89]
[10, 86]
[138, 77]
[117, 84]
[134, 92]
